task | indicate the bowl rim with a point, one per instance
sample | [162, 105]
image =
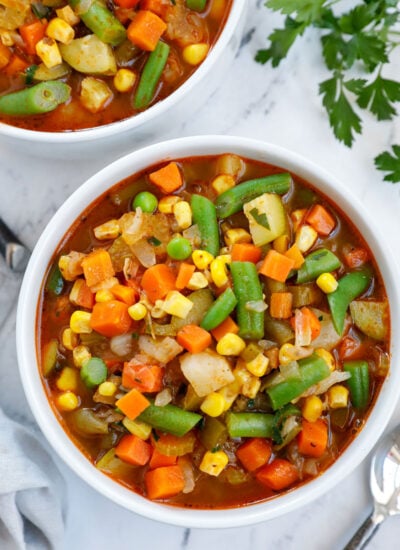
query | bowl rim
[26, 319]
[158, 109]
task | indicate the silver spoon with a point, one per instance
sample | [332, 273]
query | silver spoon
[14, 252]
[385, 487]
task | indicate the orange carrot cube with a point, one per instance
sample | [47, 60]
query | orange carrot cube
[145, 30]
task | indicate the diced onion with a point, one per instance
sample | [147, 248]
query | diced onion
[144, 252]
[163, 398]
[188, 475]
[121, 345]
[335, 377]
[256, 305]
[291, 370]
[83, 6]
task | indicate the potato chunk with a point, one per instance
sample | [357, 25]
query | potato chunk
[95, 94]
[267, 218]
[89, 55]
[206, 371]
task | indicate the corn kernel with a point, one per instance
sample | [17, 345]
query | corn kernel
[222, 183]
[67, 14]
[230, 393]
[107, 230]
[104, 296]
[157, 311]
[202, 259]
[287, 354]
[80, 322]
[69, 339]
[327, 357]
[305, 237]
[68, 379]
[297, 217]
[281, 244]
[7, 38]
[60, 30]
[338, 396]
[226, 258]
[49, 52]
[327, 283]
[138, 311]
[213, 463]
[68, 401]
[70, 265]
[230, 344]
[238, 235]
[107, 389]
[312, 408]
[219, 273]
[213, 404]
[75, 291]
[197, 281]
[166, 204]
[251, 387]
[242, 375]
[177, 304]
[258, 366]
[124, 80]
[80, 355]
[183, 214]
[194, 54]
[137, 427]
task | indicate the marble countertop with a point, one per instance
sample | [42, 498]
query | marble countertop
[280, 106]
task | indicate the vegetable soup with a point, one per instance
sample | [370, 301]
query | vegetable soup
[213, 332]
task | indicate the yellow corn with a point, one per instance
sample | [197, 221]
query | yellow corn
[67, 14]
[107, 389]
[75, 291]
[49, 52]
[124, 80]
[194, 54]
[107, 230]
[202, 259]
[177, 304]
[305, 237]
[251, 387]
[238, 235]
[226, 258]
[157, 311]
[223, 183]
[166, 204]
[258, 366]
[230, 393]
[71, 265]
[230, 344]
[68, 379]
[213, 404]
[297, 216]
[327, 357]
[60, 30]
[137, 427]
[68, 401]
[312, 408]
[80, 355]
[197, 281]
[230, 164]
[281, 244]
[287, 353]
[242, 375]
[213, 463]
[104, 296]
[80, 322]
[69, 339]
[137, 312]
[7, 38]
[219, 273]
[327, 283]
[183, 214]
[338, 396]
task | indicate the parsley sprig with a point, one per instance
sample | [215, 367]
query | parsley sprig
[360, 38]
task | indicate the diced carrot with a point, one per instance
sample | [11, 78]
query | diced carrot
[314, 322]
[356, 257]
[16, 65]
[159, 7]
[168, 178]
[321, 220]
[5, 55]
[124, 293]
[255, 453]
[157, 281]
[31, 34]
[111, 318]
[278, 474]
[127, 3]
[113, 365]
[246, 252]
[145, 378]
[184, 275]
[174, 445]
[159, 460]
[132, 404]
[350, 348]
[133, 450]
[306, 326]
[164, 482]
[281, 305]
[295, 254]
[81, 295]
[313, 438]
[97, 267]
[194, 338]
[225, 327]
[145, 30]
[276, 266]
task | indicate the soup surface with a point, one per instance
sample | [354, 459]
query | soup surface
[213, 332]
[86, 63]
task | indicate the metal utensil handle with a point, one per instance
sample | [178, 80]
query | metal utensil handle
[365, 532]
[14, 252]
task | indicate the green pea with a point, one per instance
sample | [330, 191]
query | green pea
[94, 372]
[146, 201]
[179, 248]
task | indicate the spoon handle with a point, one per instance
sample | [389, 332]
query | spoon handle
[365, 532]
[14, 252]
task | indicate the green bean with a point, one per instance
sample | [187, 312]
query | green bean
[170, 419]
[205, 216]
[41, 98]
[350, 287]
[312, 369]
[247, 288]
[151, 75]
[55, 281]
[100, 21]
[219, 311]
[318, 262]
[249, 424]
[358, 382]
[232, 200]
[94, 372]
[196, 5]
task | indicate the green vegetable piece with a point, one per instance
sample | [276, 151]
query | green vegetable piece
[279, 420]
[49, 356]
[30, 74]
[205, 216]
[219, 311]
[358, 382]
[41, 98]
[247, 288]
[196, 5]
[232, 200]
[213, 433]
[94, 372]
[170, 419]
[312, 369]
[202, 300]
[371, 317]
[179, 248]
[146, 201]
[317, 262]
[350, 287]
[249, 424]
[151, 75]
[55, 281]
[101, 21]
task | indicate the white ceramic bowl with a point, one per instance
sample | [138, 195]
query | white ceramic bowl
[26, 345]
[125, 135]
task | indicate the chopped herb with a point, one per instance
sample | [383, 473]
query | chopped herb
[261, 219]
[30, 73]
[153, 241]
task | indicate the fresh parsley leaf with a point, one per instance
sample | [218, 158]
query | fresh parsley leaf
[306, 10]
[261, 219]
[281, 42]
[390, 163]
[370, 49]
[379, 97]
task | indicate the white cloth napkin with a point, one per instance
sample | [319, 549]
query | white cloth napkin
[31, 516]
